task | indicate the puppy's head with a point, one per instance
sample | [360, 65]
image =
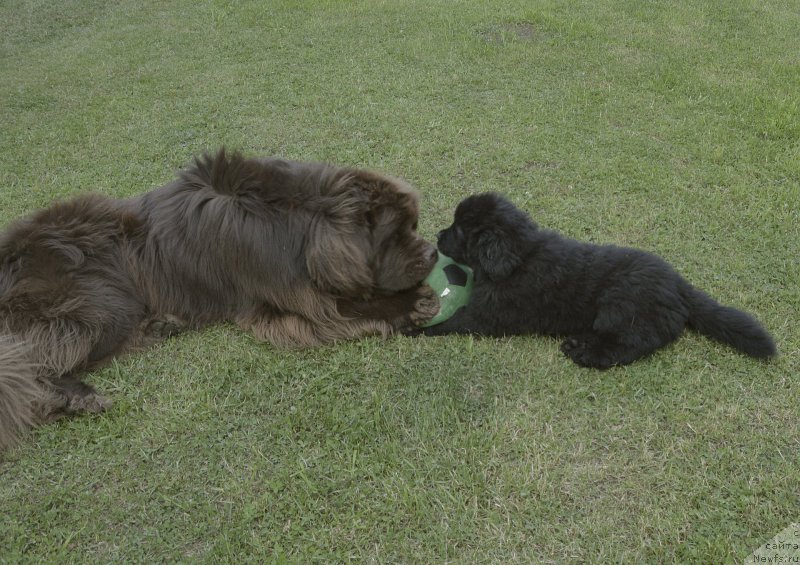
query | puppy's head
[487, 235]
[370, 245]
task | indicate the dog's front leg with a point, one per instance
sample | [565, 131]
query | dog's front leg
[402, 310]
[463, 321]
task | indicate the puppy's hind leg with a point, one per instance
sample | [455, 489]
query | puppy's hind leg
[602, 347]
[593, 350]
[621, 337]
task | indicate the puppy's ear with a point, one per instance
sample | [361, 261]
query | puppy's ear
[495, 254]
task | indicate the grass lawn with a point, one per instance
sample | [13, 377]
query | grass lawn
[671, 126]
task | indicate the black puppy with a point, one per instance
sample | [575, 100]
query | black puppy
[613, 304]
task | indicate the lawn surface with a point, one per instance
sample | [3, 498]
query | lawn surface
[671, 126]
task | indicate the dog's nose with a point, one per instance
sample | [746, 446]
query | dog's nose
[433, 254]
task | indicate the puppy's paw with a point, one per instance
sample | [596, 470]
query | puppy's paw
[426, 305]
[587, 352]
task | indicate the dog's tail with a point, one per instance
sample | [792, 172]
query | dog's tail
[728, 325]
[20, 392]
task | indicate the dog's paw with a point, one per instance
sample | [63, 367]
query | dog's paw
[163, 327]
[92, 402]
[426, 305]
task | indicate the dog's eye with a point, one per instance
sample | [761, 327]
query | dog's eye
[414, 227]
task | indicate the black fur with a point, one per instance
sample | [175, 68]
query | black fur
[612, 304]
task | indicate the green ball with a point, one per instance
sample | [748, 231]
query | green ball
[453, 285]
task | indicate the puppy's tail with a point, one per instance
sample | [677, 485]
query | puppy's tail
[20, 392]
[728, 325]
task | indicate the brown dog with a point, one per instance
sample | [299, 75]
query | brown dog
[300, 254]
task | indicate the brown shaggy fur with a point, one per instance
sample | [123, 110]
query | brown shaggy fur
[300, 254]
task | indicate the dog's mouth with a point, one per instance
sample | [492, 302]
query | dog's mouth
[423, 267]
[431, 259]
[407, 275]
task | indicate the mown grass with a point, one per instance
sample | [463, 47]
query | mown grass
[674, 127]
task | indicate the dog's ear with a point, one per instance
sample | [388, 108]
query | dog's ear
[495, 254]
[338, 247]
